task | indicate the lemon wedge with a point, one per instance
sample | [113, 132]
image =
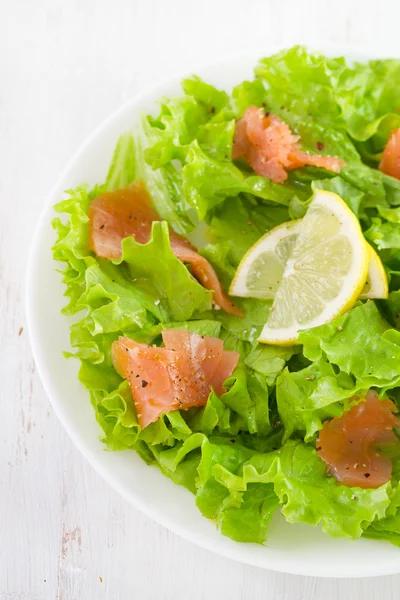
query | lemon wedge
[376, 285]
[324, 274]
[260, 271]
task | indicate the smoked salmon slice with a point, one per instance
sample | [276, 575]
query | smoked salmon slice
[351, 445]
[114, 216]
[267, 144]
[178, 376]
[390, 162]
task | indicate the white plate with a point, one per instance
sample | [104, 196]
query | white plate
[295, 549]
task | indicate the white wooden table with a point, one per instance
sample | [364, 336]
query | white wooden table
[64, 66]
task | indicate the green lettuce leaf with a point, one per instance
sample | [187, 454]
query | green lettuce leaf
[384, 234]
[309, 496]
[71, 246]
[387, 530]
[243, 516]
[163, 184]
[233, 478]
[307, 397]
[237, 225]
[247, 395]
[180, 120]
[155, 269]
[270, 360]
[300, 81]
[123, 167]
[350, 194]
[114, 303]
[366, 94]
[248, 93]
[375, 350]
[360, 98]
[207, 181]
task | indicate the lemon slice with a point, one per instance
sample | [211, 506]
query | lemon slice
[260, 271]
[376, 285]
[325, 273]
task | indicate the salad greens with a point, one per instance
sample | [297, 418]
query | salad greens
[251, 451]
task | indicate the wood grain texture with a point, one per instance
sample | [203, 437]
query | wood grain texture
[64, 66]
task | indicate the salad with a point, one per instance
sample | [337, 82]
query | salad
[236, 286]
